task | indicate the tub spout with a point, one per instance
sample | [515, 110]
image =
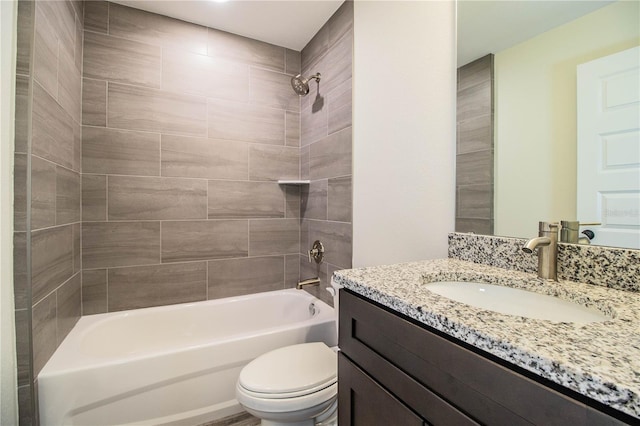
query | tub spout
[310, 281]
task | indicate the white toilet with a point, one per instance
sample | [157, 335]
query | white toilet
[294, 386]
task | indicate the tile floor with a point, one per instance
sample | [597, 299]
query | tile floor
[241, 419]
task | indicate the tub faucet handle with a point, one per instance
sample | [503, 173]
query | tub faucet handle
[317, 252]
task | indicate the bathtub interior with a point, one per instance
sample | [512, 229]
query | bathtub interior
[193, 381]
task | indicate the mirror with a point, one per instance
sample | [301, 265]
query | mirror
[537, 46]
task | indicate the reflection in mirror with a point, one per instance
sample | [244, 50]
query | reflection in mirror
[534, 176]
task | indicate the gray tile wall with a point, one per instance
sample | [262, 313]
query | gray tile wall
[152, 148]
[22, 215]
[325, 151]
[185, 131]
[474, 156]
[47, 186]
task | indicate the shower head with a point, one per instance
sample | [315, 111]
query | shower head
[301, 85]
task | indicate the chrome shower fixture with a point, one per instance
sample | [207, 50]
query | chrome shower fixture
[301, 85]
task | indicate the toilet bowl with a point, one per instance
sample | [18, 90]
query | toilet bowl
[294, 385]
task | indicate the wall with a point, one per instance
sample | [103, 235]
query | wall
[21, 257]
[47, 186]
[326, 149]
[8, 383]
[474, 147]
[147, 155]
[186, 130]
[403, 129]
[536, 115]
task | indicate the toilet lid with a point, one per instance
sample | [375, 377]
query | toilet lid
[291, 369]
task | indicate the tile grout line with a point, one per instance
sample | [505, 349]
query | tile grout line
[106, 105]
[189, 135]
[180, 262]
[160, 245]
[106, 284]
[55, 289]
[160, 156]
[207, 200]
[108, 19]
[162, 48]
[248, 237]
[80, 249]
[106, 199]
[57, 325]
[48, 228]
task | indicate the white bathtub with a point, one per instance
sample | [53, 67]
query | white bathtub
[172, 365]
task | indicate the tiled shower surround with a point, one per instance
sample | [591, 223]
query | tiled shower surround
[47, 265]
[153, 149]
[325, 152]
[186, 131]
[474, 147]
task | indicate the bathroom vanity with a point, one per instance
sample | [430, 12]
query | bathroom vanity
[412, 357]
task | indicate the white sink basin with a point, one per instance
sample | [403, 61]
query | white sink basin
[513, 301]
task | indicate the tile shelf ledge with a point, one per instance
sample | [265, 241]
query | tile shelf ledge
[293, 182]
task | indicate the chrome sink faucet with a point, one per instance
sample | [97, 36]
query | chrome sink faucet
[547, 245]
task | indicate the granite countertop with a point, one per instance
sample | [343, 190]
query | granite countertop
[599, 360]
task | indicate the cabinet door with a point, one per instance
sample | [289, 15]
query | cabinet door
[363, 402]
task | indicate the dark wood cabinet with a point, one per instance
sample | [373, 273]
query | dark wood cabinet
[363, 402]
[390, 367]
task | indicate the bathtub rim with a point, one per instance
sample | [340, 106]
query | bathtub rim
[58, 364]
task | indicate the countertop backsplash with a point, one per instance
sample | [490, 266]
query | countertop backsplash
[605, 266]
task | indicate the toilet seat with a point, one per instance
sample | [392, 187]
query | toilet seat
[289, 378]
[290, 371]
[285, 395]
[285, 405]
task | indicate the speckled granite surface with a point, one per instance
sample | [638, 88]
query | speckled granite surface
[501, 252]
[606, 266]
[599, 360]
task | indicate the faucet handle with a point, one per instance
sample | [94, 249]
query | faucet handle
[570, 231]
[317, 252]
[548, 226]
[574, 225]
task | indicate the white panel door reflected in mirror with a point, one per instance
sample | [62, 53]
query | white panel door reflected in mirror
[609, 147]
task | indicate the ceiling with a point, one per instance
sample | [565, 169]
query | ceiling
[287, 23]
[483, 26]
[491, 26]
